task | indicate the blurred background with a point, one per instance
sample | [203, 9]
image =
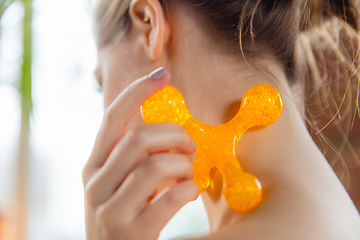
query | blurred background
[50, 112]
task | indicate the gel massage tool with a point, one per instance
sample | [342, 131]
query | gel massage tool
[216, 145]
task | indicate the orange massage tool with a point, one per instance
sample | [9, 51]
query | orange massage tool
[216, 145]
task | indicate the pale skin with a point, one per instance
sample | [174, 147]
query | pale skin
[303, 199]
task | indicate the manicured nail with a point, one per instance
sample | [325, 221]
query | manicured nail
[193, 144]
[158, 73]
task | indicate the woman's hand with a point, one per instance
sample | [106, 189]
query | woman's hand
[126, 167]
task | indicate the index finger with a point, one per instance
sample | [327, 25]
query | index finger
[122, 110]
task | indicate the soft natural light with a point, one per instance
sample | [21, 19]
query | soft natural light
[66, 117]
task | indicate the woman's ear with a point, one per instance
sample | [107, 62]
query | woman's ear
[148, 17]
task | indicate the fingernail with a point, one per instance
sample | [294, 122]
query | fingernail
[193, 144]
[158, 73]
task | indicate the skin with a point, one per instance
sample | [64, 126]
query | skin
[303, 199]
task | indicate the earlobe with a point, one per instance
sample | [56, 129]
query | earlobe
[149, 17]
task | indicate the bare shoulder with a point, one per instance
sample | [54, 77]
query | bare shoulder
[303, 198]
[290, 226]
[296, 211]
[300, 217]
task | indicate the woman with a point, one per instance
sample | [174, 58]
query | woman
[282, 43]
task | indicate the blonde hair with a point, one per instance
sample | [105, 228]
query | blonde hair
[330, 44]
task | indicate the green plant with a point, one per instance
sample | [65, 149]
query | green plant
[26, 108]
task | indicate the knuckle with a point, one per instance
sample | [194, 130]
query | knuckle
[111, 122]
[90, 193]
[102, 214]
[188, 167]
[153, 167]
[108, 115]
[111, 223]
[183, 135]
[136, 136]
[184, 138]
[194, 188]
[185, 166]
[104, 217]
[84, 175]
[87, 172]
[174, 198]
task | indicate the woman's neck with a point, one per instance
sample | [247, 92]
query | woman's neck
[213, 85]
[282, 156]
[213, 79]
[213, 82]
